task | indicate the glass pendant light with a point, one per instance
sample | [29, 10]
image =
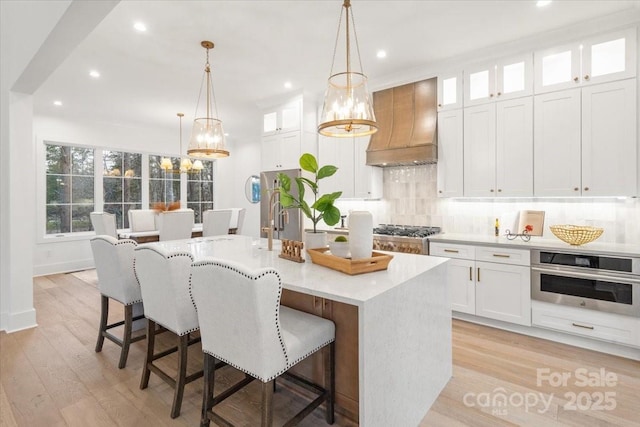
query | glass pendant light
[347, 111]
[207, 136]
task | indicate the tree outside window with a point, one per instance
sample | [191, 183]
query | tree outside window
[200, 190]
[122, 184]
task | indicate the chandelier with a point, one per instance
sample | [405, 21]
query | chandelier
[207, 135]
[347, 111]
[186, 166]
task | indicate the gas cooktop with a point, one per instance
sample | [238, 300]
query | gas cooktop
[418, 231]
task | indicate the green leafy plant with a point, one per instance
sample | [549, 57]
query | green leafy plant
[323, 206]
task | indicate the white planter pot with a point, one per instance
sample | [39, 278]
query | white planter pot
[314, 240]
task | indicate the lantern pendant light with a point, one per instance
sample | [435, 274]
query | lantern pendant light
[207, 136]
[347, 111]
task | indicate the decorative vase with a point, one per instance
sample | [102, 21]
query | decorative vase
[360, 234]
[314, 240]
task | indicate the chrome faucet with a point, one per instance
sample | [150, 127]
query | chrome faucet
[269, 228]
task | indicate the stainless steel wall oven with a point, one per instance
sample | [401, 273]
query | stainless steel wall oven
[597, 282]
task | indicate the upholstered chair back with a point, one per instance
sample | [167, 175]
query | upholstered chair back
[176, 225]
[104, 223]
[238, 311]
[142, 220]
[240, 222]
[164, 281]
[114, 265]
[216, 222]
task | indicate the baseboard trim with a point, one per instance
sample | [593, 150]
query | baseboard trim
[560, 337]
[63, 267]
[14, 322]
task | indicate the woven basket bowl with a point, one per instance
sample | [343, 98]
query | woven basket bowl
[576, 234]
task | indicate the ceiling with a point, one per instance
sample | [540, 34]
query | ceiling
[146, 78]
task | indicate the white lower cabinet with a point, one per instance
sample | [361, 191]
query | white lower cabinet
[587, 323]
[498, 290]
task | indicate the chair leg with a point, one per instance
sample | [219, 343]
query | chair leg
[183, 343]
[126, 336]
[330, 382]
[207, 395]
[151, 338]
[267, 404]
[104, 314]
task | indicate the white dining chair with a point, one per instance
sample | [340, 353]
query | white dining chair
[164, 283]
[104, 223]
[175, 225]
[240, 221]
[215, 222]
[243, 324]
[142, 220]
[116, 280]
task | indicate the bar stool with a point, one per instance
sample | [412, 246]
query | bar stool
[116, 280]
[243, 324]
[164, 282]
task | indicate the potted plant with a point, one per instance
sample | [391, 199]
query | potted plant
[340, 247]
[322, 208]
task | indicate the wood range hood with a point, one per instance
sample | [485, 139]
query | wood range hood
[407, 117]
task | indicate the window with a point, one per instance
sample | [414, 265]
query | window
[70, 188]
[122, 184]
[200, 190]
[164, 186]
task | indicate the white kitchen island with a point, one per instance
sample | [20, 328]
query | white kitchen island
[403, 315]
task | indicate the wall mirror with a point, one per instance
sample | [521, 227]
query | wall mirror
[252, 189]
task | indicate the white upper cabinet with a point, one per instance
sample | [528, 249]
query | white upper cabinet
[497, 80]
[498, 149]
[450, 91]
[450, 157]
[282, 118]
[599, 59]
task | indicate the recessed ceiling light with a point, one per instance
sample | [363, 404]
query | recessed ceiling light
[287, 85]
[57, 103]
[139, 26]
[94, 74]
[543, 3]
[381, 54]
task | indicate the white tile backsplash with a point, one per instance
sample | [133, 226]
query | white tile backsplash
[410, 198]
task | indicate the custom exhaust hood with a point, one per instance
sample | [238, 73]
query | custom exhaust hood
[407, 117]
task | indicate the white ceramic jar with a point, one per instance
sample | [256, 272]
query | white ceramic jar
[360, 234]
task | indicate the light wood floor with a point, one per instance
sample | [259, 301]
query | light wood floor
[51, 376]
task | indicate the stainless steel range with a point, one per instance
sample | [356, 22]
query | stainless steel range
[403, 238]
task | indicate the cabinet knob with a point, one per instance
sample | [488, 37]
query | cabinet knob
[491, 190]
[439, 105]
[490, 95]
[440, 191]
[499, 93]
[576, 79]
[586, 188]
[575, 189]
[586, 77]
[499, 190]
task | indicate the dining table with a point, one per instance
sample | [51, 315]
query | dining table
[393, 326]
[154, 235]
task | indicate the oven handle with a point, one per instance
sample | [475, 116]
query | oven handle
[601, 277]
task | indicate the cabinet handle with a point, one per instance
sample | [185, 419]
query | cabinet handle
[491, 190]
[577, 325]
[576, 79]
[586, 77]
[575, 189]
[586, 188]
[470, 274]
[478, 274]
[502, 256]
[453, 251]
[499, 190]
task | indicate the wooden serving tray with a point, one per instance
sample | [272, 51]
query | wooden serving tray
[378, 261]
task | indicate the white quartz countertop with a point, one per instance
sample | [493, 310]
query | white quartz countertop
[616, 249]
[307, 277]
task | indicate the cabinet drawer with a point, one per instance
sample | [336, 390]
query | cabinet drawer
[503, 255]
[588, 323]
[450, 250]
